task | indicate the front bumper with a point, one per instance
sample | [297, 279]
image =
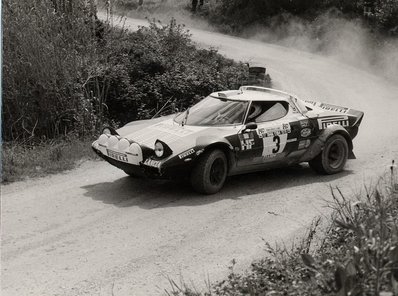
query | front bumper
[157, 169]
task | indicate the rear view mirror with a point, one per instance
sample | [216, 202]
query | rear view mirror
[250, 126]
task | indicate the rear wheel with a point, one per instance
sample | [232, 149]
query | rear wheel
[209, 174]
[333, 157]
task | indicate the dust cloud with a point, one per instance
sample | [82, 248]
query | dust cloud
[332, 35]
[346, 40]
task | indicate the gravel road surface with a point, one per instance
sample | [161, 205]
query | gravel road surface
[95, 231]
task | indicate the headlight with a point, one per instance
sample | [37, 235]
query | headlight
[123, 144]
[112, 141]
[107, 131]
[159, 149]
[103, 139]
[162, 150]
[135, 149]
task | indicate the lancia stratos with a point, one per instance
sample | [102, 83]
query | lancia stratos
[234, 132]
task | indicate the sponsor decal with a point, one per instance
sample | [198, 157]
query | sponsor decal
[199, 152]
[116, 155]
[294, 108]
[305, 132]
[327, 121]
[246, 141]
[153, 163]
[330, 107]
[291, 140]
[268, 156]
[311, 102]
[304, 123]
[274, 130]
[304, 144]
[186, 153]
[286, 126]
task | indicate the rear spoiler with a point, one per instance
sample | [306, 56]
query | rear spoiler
[327, 107]
[336, 108]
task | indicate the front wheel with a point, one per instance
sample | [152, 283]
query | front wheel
[333, 157]
[209, 174]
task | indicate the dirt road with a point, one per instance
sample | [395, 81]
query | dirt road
[94, 231]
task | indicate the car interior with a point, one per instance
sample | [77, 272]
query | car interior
[267, 111]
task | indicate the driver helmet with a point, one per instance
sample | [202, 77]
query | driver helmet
[255, 110]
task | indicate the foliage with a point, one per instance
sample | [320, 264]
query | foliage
[160, 64]
[385, 16]
[46, 45]
[237, 15]
[358, 254]
[65, 71]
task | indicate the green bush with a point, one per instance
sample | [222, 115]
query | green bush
[46, 45]
[66, 72]
[234, 16]
[160, 64]
[357, 255]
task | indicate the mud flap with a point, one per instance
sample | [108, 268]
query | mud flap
[351, 155]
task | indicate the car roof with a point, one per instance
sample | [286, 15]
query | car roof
[254, 93]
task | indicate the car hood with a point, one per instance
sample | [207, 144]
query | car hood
[176, 136]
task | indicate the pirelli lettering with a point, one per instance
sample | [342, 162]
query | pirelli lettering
[334, 108]
[117, 155]
[186, 153]
[333, 120]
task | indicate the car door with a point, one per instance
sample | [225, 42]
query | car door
[275, 136]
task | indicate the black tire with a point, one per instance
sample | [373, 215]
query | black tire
[209, 174]
[333, 157]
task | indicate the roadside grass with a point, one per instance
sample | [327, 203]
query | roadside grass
[21, 161]
[356, 254]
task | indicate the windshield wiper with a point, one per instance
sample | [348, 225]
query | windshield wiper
[184, 121]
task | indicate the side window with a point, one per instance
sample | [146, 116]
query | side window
[267, 111]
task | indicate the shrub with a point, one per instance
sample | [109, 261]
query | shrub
[65, 71]
[46, 45]
[237, 15]
[160, 64]
[356, 255]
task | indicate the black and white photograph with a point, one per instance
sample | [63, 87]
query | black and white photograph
[199, 147]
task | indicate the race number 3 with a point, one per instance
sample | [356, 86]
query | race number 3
[277, 141]
[273, 145]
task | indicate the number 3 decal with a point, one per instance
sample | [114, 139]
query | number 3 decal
[274, 145]
[277, 142]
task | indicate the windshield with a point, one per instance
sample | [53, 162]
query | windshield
[214, 111]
